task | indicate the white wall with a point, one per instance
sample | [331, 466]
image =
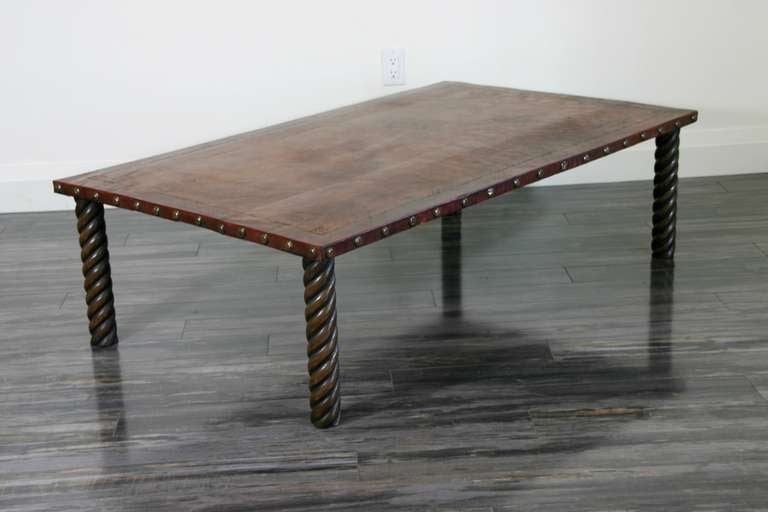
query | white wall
[85, 84]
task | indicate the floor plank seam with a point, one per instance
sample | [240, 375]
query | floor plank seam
[63, 300]
[434, 298]
[721, 301]
[117, 426]
[760, 249]
[391, 379]
[759, 393]
[720, 184]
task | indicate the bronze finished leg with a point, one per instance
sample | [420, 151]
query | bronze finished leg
[665, 195]
[98, 280]
[322, 342]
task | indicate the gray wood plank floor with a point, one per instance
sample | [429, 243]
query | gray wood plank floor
[562, 372]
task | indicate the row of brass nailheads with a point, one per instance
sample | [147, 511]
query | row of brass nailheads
[607, 149]
[176, 215]
[241, 232]
[412, 220]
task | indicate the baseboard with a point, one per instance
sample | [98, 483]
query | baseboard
[701, 154]
[637, 164]
[31, 196]
[27, 187]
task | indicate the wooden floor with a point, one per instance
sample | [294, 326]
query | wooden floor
[564, 372]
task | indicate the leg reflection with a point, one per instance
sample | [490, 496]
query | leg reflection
[661, 293]
[108, 383]
[451, 265]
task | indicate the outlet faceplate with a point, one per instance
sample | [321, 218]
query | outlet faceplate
[393, 66]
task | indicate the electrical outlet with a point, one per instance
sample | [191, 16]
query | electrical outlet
[393, 66]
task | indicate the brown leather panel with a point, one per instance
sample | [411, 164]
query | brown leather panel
[321, 181]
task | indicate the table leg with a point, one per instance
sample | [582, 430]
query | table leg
[665, 195]
[322, 342]
[96, 271]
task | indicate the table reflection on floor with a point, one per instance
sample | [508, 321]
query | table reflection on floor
[108, 388]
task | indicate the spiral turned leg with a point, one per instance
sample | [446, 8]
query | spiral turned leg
[665, 195]
[98, 280]
[322, 342]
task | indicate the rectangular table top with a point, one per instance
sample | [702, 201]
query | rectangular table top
[323, 185]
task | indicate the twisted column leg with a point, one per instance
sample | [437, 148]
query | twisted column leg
[665, 195]
[322, 342]
[98, 280]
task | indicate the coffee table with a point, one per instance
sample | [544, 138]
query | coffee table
[324, 185]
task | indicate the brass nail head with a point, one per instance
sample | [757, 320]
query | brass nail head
[329, 252]
[606, 150]
[586, 157]
[626, 142]
[156, 210]
[199, 220]
[96, 196]
[516, 182]
[222, 228]
[563, 165]
[241, 232]
[264, 238]
[77, 191]
[465, 202]
[358, 241]
[436, 212]
[489, 192]
[289, 245]
[385, 231]
[58, 187]
[412, 220]
[137, 204]
[540, 173]
[176, 215]
[117, 199]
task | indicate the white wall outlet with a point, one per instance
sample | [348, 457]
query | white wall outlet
[393, 66]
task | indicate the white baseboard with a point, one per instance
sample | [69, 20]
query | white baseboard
[637, 164]
[27, 187]
[31, 196]
[702, 153]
